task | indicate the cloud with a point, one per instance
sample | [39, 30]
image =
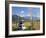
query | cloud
[22, 11]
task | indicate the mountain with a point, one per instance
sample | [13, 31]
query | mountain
[26, 18]
[14, 17]
[36, 18]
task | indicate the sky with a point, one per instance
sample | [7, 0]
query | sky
[26, 11]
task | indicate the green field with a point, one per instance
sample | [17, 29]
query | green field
[30, 25]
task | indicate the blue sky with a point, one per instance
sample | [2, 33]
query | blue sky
[26, 11]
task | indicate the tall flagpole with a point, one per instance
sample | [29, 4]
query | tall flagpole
[31, 15]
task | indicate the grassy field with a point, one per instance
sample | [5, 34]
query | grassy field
[35, 25]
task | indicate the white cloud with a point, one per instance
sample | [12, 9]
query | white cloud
[22, 11]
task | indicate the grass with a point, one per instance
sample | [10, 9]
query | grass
[35, 25]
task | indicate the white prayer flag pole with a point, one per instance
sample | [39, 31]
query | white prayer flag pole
[31, 15]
